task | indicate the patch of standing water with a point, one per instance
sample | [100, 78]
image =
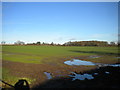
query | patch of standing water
[48, 75]
[81, 62]
[95, 73]
[81, 77]
[78, 62]
[115, 65]
[104, 65]
[118, 57]
[107, 72]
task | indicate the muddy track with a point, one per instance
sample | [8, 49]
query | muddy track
[36, 71]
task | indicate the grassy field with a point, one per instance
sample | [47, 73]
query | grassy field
[49, 58]
[38, 54]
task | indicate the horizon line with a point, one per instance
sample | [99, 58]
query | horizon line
[7, 42]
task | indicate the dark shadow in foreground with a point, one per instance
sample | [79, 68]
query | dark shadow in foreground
[107, 77]
[20, 85]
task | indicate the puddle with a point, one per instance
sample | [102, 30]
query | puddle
[80, 76]
[81, 62]
[84, 76]
[115, 65]
[49, 76]
[117, 57]
[105, 65]
[95, 73]
[107, 72]
[78, 62]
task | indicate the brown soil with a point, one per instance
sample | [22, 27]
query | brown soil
[36, 71]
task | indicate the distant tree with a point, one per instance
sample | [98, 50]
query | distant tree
[38, 43]
[112, 43]
[19, 43]
[86, 43]
[118, 42]
[33, 43]
[3, 42]
[52, 43]
[43, 43]
[58, 44]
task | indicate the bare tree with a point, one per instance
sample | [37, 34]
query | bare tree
[19, 43]
[112, 43]
[3, 42]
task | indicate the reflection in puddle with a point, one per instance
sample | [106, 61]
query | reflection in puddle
[81, 62]
[95, 73]
[117, 57]
[78, 62]
[48, 75]
[115, 65]
[105, 65]
[84, 76]
[81, 77]
[107, 72]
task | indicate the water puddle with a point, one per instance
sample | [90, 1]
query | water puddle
[105, 65]
[118, 57]
[76, 76]
[49, 76]
[107, 72]
[115, 65]
[81, 62]
[78, 62]
[95, 73]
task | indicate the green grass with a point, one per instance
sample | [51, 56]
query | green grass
[10, 79]
[38, 54]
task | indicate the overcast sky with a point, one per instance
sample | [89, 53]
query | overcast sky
[59, 22]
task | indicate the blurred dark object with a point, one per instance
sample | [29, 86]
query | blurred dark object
[22, 85]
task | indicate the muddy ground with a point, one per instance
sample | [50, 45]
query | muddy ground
[60, 72]
[36, 71]
[102, 80]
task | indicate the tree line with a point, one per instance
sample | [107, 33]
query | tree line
[90, 43]
[74, 43]
[43, 43]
